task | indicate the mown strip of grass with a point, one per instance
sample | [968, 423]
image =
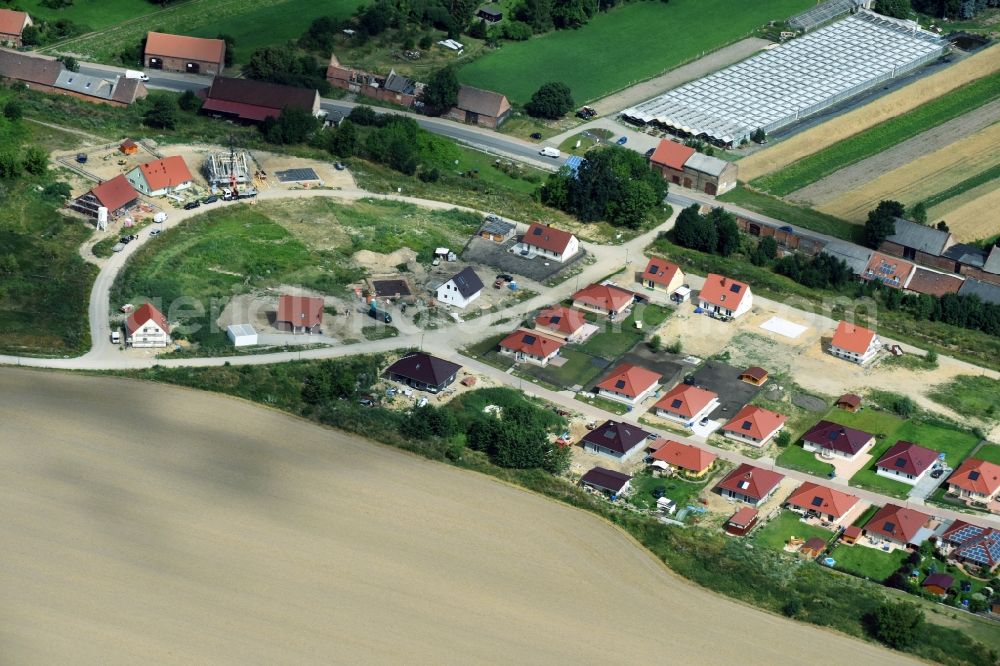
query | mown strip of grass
[980, 178]
[791, 213]
[882, 136]
[970, 395]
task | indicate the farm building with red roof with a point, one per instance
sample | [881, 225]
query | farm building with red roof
[12, 24]
[180, 53]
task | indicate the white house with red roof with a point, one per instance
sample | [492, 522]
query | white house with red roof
[12, 24]
[686, 404]
[531, 347]
[147, 327]
[563, 322]
[749, 484]
[972, 544]
[662, 275]
[691, 459]
[976, 481]
[300, 314]
[605, 299]
[907, 462]
[725, 296]
[162, 176]
[898, 525]
[855, 343]
[550, 243]
[754, 425]
[812, 499]
[629, 384]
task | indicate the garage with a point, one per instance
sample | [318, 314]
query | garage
[242, 335]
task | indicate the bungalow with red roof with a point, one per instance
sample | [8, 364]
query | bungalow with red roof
[976, 481]
[686, 404]
[147, 327]
[826, 503]
[741, 522]
[551, 243]
[855, 343]
[300, 314]
[754, 425]
[692, 460]
[750, 485]
[724, 296]
[615, 439]
[531, 347]
[973, 544]
[563, 322]
[12, 24]
[662, 275]
[899, 525]
[629, 384]
[117, 195]
[605, 299]
[831, 439]
[162, 176]
[906, 462]
[180, 53]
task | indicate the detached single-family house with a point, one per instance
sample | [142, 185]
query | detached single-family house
[117, 195]
[12, 24]
[605, 299]
[741, 522]
[692, 460]
[463, 288]
[724, 296]
[890, 271]
[906, 462]
[976, 481]
[662, 275]
[423, 372]
[686, 404]
[938, 584]
[615, 439]
[180, 53]
[825, 503]
[551, 243]
[750, 485]
[562, 322]
[854, 343]
[256, 101]
[300, 314]
[606, 481]
[832, 439]
[973, 544]
[147, 327]
[160, 177]
[754, 425]
[629, 384]
[531, 347]
[899, 525]
[480, 107]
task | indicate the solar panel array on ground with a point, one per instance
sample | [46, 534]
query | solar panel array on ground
[778, 87]
[296, 175]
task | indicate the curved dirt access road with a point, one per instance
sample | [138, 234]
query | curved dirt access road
[228, 533]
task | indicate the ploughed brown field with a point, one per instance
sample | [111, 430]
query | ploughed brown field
[148, 524]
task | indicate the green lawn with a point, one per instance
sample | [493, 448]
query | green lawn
[989, 453]
[94, 14]
[579, 369]
[868, 562]
[630, 43]
[870, 420]
[795, 457]
[608, 405]
[617, 338]
[882, 136]
[866, 515]
[970, 395]
[680, 491]
[776, 533]
[981, 178]
[792, 213]
[955, 444]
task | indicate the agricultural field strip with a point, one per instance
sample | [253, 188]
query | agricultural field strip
[969, 184]
[880, 137]
[949, 134]
[976, 219]
[780, 155]
[909, 184]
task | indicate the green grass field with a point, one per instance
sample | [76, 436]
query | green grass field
[868, 562]
[969, 183]
[881, 136]
[795, 457]
[614, 339]
[989, 453]
[970, 395]
[628, 44]
[94, 14]
[792, 213]
[579, 369]
[680, 491]
[776, 533]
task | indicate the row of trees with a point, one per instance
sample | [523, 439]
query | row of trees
[961, 9]
[612, 184]
[716, 232]
[881, 222]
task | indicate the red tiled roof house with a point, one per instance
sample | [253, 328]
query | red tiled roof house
[629, 384]
[692, 460]
[854, 343]
[975, 481]
[12, 24]
[117, 195]
[160, 177]
[898, 525]
[831, 439]
[300, 314]
[255, 101]
[906, 462]
[146, 327]
[750, 485]
[973, 544]
[550, 243]
[662, 275]
[826, 503]
[562, 322]
[180, 53]
[531, 347]
[686, 404]
[605, 299]
[724, 296]
[754, 425]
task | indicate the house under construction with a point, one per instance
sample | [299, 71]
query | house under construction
[229, 169]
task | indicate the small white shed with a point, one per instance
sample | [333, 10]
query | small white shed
[242, 335]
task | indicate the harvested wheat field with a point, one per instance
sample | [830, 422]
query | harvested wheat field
[150, 524]
[975, 219]
[894, 104]
[920, 178]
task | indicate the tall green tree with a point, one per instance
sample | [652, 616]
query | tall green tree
[552, 100]
[897, 624]
[162, 113]
[893, 8]
[881, 222]
[441, 92]
[726, 231]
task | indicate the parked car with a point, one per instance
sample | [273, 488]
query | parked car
[704, 422]
[787, 229]
[549, 151]
[936, 474]
[191, 205]
[649, 153]
[116, 337]
[156, 232]
[339, 166]
[622, 141]
[81, 158]
[505, 276]
[210, 199]
[586, 113]
[536, 136]
[366, 401]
